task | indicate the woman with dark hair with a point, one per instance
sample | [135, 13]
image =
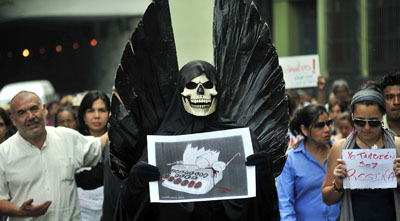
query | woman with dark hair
[66, 117]
[6, 128]
[93, 116]
[368, 108]
[93, 113]
[299, 185]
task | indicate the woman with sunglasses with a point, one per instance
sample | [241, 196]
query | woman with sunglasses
[368, 108]
[299, 185]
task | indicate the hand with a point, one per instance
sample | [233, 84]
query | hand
[340, 172]
[142, 173]
[29, 210]
[262, 161]
[396, 168]
[321, 83]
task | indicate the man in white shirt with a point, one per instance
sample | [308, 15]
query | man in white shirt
[38, 163]
[390, 86]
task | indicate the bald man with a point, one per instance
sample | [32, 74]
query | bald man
[38, 163]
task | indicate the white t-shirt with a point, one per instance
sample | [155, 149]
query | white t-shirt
[48, 174]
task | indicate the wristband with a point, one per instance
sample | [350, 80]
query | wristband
[335, 187]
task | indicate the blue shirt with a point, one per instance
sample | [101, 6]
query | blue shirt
[299, 188]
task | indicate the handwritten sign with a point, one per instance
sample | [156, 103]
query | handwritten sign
[300, 71]
[369, 169]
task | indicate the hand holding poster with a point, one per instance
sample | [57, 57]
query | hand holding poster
[369, 169]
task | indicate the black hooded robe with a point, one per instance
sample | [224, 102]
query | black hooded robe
[134, 202]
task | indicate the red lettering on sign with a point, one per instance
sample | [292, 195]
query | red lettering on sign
[350, 174]
[364, 155]
[388, 175]
[351, 156]
[368, 165]
[313, 65]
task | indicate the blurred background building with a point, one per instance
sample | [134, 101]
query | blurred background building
[357, 40]
[77, 44]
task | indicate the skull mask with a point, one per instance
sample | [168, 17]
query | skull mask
[199, 96]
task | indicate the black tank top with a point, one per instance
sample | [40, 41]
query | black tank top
[376, 204]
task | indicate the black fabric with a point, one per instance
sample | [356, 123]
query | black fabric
[112, 186]
[376, 204]
[134, 198]
[90, 179]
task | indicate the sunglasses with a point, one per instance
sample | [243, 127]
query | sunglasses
[320, 125]
[363, 122]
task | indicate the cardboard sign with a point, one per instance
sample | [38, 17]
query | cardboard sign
[300, 71]
[369, 169]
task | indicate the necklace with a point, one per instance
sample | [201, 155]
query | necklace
[374, 146]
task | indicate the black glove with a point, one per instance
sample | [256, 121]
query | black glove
[263, 162]
[141, 173]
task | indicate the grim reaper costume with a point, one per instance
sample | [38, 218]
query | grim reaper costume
[156, 98]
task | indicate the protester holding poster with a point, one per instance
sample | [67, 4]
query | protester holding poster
[301, 179]
[368, 203]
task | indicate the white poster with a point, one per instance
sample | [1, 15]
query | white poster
[202, 167]
[300, 71]
[369, 169]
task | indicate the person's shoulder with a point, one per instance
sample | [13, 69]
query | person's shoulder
[297, 149]
[397, 142]
[338, 146]
[9, 144]
[10, 141]
[61, 131]
[340, 142]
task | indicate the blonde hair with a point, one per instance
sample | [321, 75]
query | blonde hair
[66, 101]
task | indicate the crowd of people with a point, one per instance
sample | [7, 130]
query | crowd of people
[311, 186]
[76, 174]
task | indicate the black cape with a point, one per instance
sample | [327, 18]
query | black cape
[134, 202]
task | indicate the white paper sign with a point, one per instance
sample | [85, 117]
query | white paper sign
[369, 169]
[300, 71]
[202, 167]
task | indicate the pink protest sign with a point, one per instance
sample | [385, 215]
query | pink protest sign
[369, 169]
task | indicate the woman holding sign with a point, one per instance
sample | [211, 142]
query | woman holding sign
[299, 185]
[367, 203]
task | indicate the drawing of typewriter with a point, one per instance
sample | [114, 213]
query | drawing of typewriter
[198, 173]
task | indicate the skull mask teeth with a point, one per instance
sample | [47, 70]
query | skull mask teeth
[199, 96]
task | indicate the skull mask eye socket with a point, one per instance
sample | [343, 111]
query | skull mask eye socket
[199, 96]
[208, 85]
[191, 85]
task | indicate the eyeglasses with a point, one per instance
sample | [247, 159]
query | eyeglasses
[371, 123]
[320, 125]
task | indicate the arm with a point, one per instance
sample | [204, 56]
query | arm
[9, 209]
[321, 90]
[90, 179]
[103, 140]
[25, 210]
[396, 162]
[335, 169]
[286, 193]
